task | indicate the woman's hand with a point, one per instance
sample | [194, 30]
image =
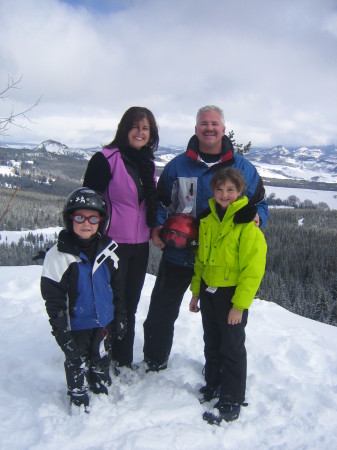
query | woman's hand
[194, 304]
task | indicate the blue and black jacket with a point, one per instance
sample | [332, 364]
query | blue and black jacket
[79, 294]
[184, 186]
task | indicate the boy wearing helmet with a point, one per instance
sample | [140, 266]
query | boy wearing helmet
[81, 287]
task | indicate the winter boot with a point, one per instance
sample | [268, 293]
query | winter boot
[153, 366]
[226, 411]
[99, 378]
[99, 388]
[208, 393]
[79, 401]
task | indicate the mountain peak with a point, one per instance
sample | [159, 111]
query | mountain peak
[52, 146]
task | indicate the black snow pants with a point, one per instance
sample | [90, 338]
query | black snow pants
[225, 352]
[171, 284]
[92, 367]
[132, 265]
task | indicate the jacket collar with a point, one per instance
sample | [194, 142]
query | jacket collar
[227, 151]
[231, 209]
[66, 244]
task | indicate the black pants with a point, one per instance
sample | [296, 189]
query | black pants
[170, 286]
[91, 368]
[133, 259]
[225, 352]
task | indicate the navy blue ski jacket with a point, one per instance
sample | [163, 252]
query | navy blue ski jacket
[80, 295]
[184, 186]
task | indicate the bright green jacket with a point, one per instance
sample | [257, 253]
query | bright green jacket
[230, 254]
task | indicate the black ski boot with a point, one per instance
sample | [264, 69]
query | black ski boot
[208, 393]
[226, 411]
[154, 366]
[99, 379]
[79, 402]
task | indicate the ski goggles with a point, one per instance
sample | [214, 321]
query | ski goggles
[174, 238]
[93, 220]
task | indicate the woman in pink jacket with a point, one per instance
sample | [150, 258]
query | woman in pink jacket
[124, 173]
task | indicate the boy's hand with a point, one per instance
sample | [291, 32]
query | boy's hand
[194, 304]
[66, 342]
[234, 316]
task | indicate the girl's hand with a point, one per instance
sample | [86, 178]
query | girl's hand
[234, 316]
[194, 304]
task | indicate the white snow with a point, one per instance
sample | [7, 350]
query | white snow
[15, 236]
[291, 384]
[164, 159]
[301, 171]
[316, 196]
[6, 170]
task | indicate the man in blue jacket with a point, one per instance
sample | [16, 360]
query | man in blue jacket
[184, 187]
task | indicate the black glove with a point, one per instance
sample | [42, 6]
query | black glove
[40, 255]
[66, 342]
[245, 214]
[120, 325]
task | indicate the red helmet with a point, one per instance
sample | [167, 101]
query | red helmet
[180, 230]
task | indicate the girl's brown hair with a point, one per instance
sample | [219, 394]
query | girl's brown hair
[228, 173]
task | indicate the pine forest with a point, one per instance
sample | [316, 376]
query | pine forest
[301, 260]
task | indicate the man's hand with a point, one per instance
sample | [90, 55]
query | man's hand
[157, 242]
[257, 221]
[66, 342]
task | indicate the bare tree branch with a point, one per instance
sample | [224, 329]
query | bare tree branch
[11, 84]
[8, 205]
[12, 119]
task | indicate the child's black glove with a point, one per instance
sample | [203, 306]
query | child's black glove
[66, 342]
[120, 325]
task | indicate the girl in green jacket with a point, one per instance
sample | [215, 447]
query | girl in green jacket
[228, 270]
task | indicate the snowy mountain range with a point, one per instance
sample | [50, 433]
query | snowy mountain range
[314, 164]
[303, 163]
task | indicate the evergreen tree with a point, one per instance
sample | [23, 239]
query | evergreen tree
[239, 148]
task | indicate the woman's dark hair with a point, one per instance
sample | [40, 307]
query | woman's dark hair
[228, 173]
[130, 117]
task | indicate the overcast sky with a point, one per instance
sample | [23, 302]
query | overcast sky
[270, 64]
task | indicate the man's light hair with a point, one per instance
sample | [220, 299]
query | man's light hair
[211, 108]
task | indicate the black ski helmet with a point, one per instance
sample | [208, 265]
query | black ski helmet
[85, 198]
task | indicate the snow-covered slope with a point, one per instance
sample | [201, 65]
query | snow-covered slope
[291, 384]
